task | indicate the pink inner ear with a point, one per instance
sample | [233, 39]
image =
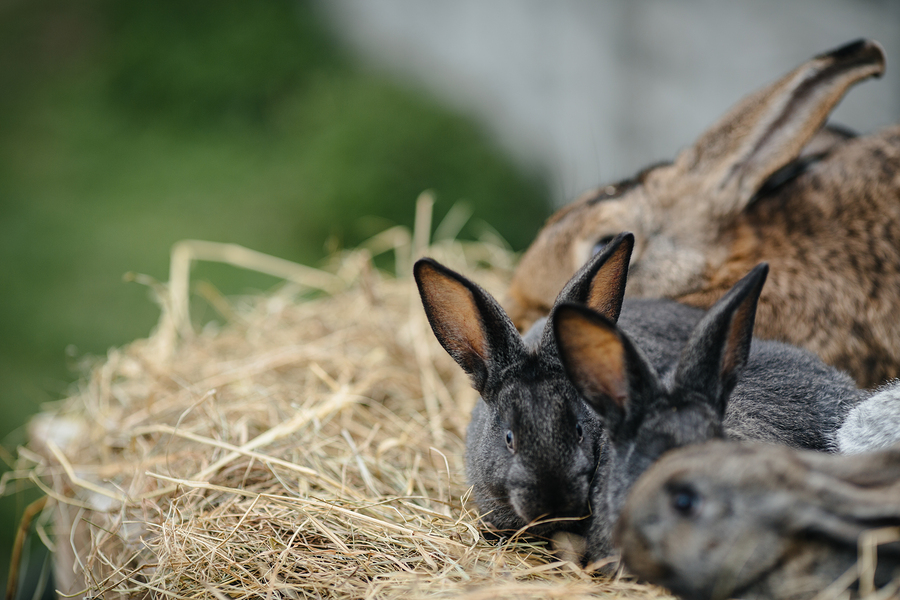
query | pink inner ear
[596, 357]
[733, 348]
[453, 306]
[605, 290]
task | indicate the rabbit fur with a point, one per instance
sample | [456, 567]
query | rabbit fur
[725, 384]
[873, 424]
[827, 223]
[532, 445]
[755, 521]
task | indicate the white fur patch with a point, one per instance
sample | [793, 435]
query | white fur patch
[873, 424]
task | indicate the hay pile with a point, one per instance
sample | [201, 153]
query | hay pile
[310, 448]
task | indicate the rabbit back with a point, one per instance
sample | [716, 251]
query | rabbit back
[787, 395]
[830, 237]
[659, 327]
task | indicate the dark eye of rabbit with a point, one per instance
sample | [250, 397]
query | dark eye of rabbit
[685, 501]
[601, 244]
[510, 441]
[579, 432]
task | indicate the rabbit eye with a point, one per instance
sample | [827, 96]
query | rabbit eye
[579, 431]
[686, 502]
[601, 244]
[510, 441]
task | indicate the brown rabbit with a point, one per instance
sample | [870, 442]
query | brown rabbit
[828, 223]
[740, 520]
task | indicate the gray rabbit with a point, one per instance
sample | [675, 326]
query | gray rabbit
[532, 445]
[723, 385]
[754, 521]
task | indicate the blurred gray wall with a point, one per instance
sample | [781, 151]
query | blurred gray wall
[592, 90]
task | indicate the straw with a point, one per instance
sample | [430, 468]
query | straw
[307, 448]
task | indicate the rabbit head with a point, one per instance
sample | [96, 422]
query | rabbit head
[703, 220]
[742, 520]
[642, 413]
[532, 445]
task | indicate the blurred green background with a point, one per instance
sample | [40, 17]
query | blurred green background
[125, 127]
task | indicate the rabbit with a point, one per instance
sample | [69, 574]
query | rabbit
[873, 424]
[532, 444]
[724, 385]
[827, 224]
[756, 521]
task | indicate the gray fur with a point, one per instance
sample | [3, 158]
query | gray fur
[788, 396]
[532, 337]
[546, 473]
[873, 424]
[722, 386]
[756, 521]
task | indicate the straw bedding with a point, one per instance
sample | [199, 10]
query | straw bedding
[312, 447]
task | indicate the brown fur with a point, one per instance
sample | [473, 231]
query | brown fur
[830, 234]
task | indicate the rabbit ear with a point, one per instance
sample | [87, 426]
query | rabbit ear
[868, 470]
[768, 129]
[843, 512]
[607, 369]
[717, 350]
[831, 496]
[600, 283]
[467, 321]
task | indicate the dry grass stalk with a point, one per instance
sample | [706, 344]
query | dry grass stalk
[311, 448]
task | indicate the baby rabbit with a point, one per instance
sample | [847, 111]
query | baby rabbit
[723, 385]
[828, 225]
[753, 521]
[873, 424]
[532, 445]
